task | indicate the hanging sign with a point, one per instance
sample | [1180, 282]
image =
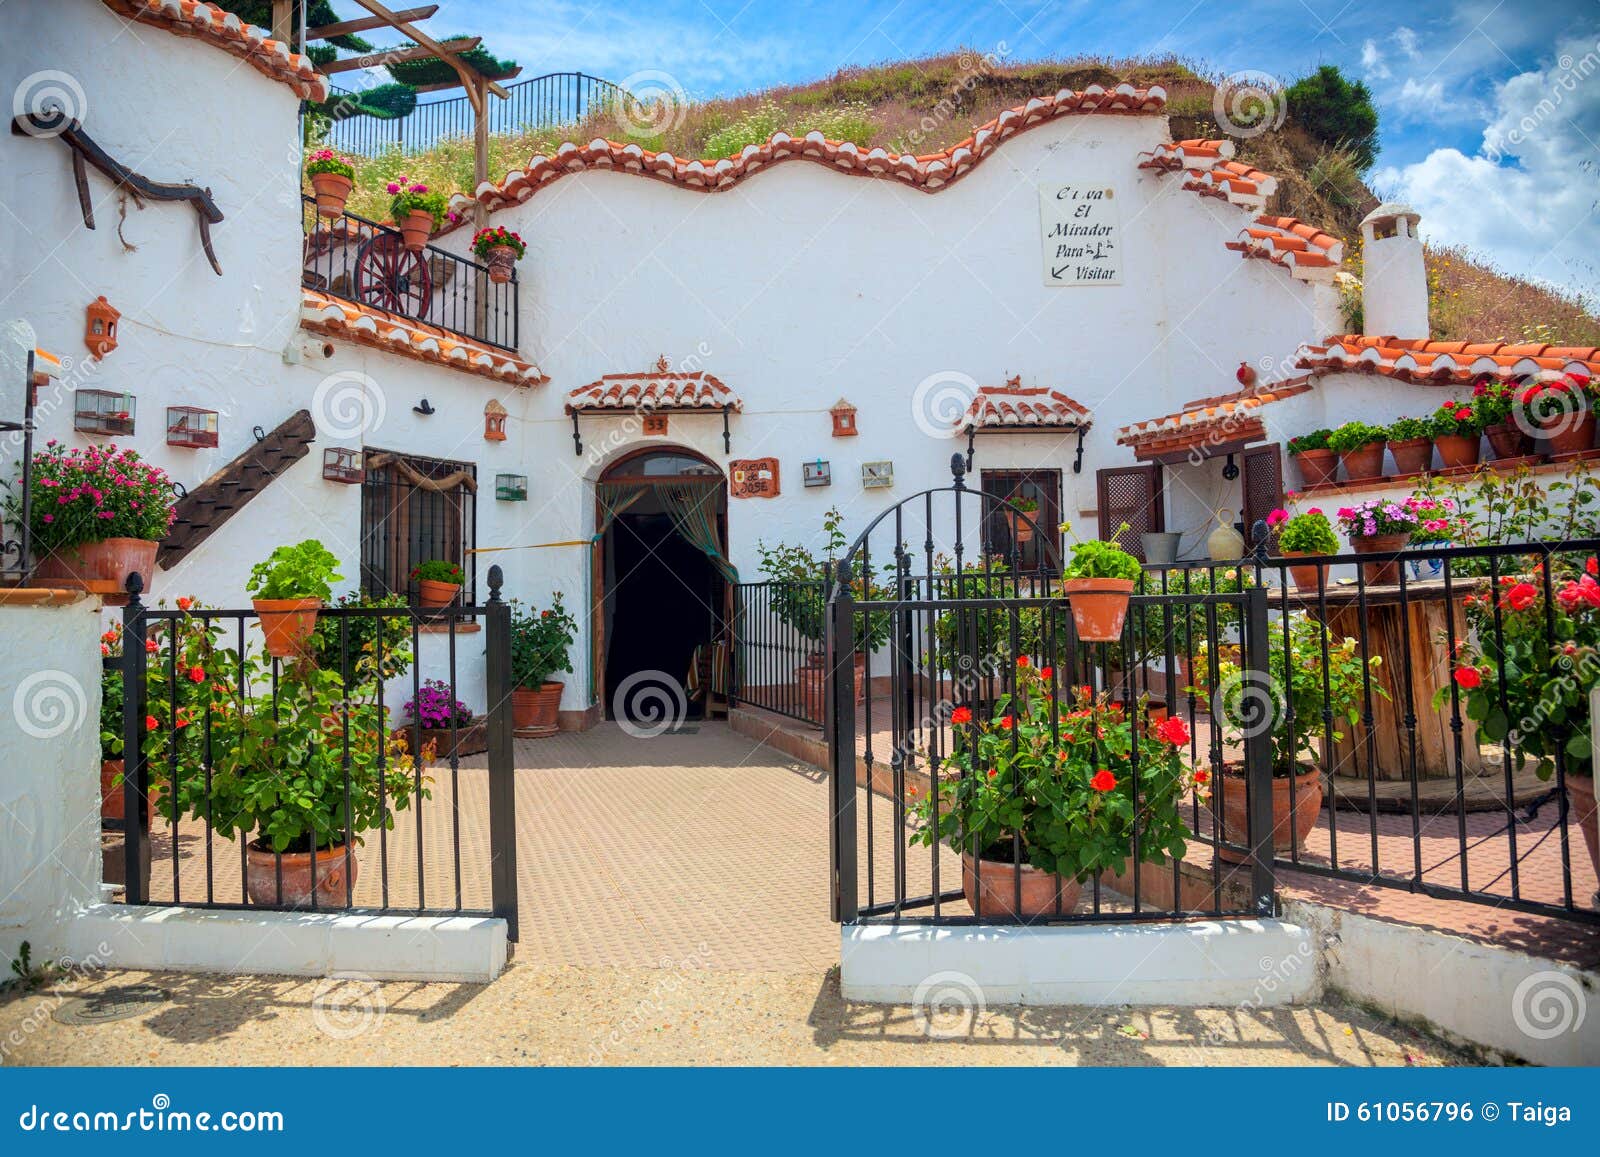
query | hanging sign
[1081, 235]
[753, 478]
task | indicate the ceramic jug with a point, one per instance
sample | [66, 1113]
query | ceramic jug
[1224, 543]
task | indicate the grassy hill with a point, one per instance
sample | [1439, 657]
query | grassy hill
[923, 106]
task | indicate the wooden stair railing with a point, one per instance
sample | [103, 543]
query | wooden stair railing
[205, 508]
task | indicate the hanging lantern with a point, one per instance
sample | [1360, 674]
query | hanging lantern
[100, 328]
[494, 422]
[844, 419]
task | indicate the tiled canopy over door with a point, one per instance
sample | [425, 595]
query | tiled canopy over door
[1130, 494]
[1262, 480]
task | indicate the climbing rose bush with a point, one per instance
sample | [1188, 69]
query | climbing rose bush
[89, 495]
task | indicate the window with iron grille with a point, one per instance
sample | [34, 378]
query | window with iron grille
[1044, 488]
[412, 510]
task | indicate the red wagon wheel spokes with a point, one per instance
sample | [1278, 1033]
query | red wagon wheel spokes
[391, 277]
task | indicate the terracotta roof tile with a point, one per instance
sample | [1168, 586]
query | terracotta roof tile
[1304, 250]
[928, 171]
[335, 317]
[1013, 406]
[661, 390]
[1444, 362]
[225, 30]
[1198, 420]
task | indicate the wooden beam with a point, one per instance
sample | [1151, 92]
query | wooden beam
[283, 21]
[396, 55]
[463, 69]
[446, 85]
[368, 23]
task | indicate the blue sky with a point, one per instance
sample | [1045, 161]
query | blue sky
[1490, 109]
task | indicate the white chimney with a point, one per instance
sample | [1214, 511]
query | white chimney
[1394, 283]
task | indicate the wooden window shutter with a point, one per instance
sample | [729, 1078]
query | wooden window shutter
[1262, 481]
[1130, 494]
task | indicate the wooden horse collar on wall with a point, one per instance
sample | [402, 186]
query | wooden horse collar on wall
[84, 149]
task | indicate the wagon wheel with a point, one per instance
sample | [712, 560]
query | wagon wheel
[391, 277]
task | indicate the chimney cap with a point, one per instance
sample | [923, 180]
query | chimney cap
[1391, 211]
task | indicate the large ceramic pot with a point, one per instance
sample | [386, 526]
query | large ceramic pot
[1377, 573]
[1564, 436]
[1506, 440]
[1021, 528]
[1317, 467]
[992, 889]
[416, 229]
[440, 743]
[109, 560]
[112, 796]
[332, 190]
[1456, 450]
[1306, 576]
[502, 260]
[1581, 809]
[333, 882]
[1099, 607]
[287, 624]
[433, 593]
[1289, 830]
[1363, 462]
[1412, 456]
[535, 710]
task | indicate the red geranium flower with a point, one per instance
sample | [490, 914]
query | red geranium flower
[961, 715]
[1022, 660]
[197, 674]
[1592, 566]
[1047, 672]
[150, 646]
[1522, 596]
[1468, 678]
[1173, 730]
[1201, 775]
[1005, 723]
[151, 723]
[1103, 780]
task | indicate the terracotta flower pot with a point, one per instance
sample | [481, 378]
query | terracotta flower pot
[1307, 576]
[111, 794]
[1564, 436]
[1317, 467]
[1377, 573]
[535, 710]
[334, 866]
[1456, 450]
[1363, 462]
[1099, 607]
[811, 679]
[109, 560]
[416, 229]
[1288, 832]
[1581, 810]
[433, 593]
[998, 884]
[1412, 456]
[332, 190]
[439, 743]
[1021, 528]
[502, 260]
[1506, 440]
[287, 624]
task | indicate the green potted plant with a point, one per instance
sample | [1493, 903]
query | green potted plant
[1019, 512]
[1495, 405]
[443, 725]
[1525, 673]
[1437, 525]
[1457, 431]
[97, 515]
[1040, 797]
[499, 249]
[1298, 673]
[364, 648]
[1302, 535]
[1411, 445]
[1097, 583]
[1563, 413]
[416, 211]
[438, 582]
[289, 587]
[1318, 464]
[540, 646]
[332, 178]
[1360, 450]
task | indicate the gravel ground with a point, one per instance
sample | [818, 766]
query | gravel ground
[651, 1016]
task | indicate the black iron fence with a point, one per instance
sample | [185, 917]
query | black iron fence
[557, 98]
[367, 262]
[778, 657]
[346, 777]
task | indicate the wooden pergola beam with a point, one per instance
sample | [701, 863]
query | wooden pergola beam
[367, 23]
[474, 81]
[396, 55]
[446, 85]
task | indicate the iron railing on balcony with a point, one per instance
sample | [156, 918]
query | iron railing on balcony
[367, 262]
[557, 98]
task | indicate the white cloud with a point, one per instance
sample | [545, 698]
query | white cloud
[1423, 100]
[1372, 61]
[1527, 198]
[1406, 38]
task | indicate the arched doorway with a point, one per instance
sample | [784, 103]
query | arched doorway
[663, 580]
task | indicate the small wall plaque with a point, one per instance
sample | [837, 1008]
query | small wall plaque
[753, 478]
[655, 424]
[817, 473]
[877, 475]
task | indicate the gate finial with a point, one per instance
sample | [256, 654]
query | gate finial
[959, 469]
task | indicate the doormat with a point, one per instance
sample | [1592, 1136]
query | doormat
[111, 1004]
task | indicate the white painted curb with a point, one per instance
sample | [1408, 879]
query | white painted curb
[1252, 963]
[451, 948]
